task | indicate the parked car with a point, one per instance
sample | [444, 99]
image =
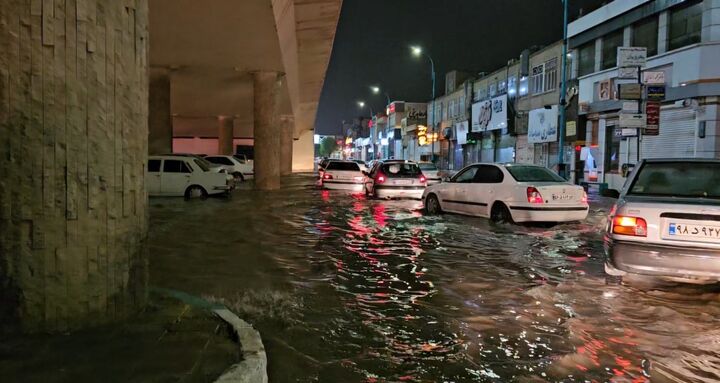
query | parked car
[343, 175]
[215, 168]
[666, 222]
[239, 170]
[363, 165]
[431, 172]
[395, 179]
[508, 193]
[183, 176]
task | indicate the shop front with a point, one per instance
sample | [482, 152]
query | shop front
[543, 135]
[490, 119]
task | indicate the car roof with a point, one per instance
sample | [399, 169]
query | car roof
[397, 162]
[168, 157]
[681, 160]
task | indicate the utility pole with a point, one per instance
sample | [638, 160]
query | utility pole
[563, 90]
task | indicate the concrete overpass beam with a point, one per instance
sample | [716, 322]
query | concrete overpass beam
[160, 118]
[225, 135]
[267, 130]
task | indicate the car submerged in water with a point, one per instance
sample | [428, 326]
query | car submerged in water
[666, 223]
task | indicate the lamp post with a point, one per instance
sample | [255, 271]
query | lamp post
[376, 90]
[417, 52]
[563, 90]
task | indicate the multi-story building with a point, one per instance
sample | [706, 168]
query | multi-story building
[683, 50]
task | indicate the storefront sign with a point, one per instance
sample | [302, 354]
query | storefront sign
[570, 128]
[605, 90]
[416, 113]
[656, 92]
[631, 56]
[461, 130]
[628, 73]
[632, 120]
[490, 114]
[630, 106]
[654, 77]
[630, 91]
[628, 132]
[652, 110]
[422, 133]
[542, 125]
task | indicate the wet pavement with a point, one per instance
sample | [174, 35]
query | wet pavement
[345, 289]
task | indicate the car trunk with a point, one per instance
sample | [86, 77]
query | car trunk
[345, 175]
[677, 221]
[555, 193]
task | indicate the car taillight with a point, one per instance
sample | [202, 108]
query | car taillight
[423, 179]
[327, 176]
[534, 196]
[584, 198]
[380, 178]
[629, 226]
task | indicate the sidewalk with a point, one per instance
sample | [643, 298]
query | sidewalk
[168, 342]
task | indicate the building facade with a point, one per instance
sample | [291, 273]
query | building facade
[682, 39]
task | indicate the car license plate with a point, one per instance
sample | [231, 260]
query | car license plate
[698, 231]
[561, 197]
[403, 182]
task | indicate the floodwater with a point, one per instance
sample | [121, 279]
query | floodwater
[345, 289]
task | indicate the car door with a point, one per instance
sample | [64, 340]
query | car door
[454, 196]
[153, 176]
[370, 178]
[484, 190]
[175, 177]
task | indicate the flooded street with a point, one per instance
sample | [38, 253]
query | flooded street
[345, 289]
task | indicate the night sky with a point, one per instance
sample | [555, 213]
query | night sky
[373, 39]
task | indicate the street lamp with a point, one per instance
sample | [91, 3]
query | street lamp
[563, 90]
[377, 90]
[417, 52]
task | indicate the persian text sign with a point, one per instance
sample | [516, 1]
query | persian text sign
[631, 56]
[490, 114]
[542, 125]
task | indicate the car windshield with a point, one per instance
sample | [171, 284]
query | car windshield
[202, 163]
[400, 170]
[344, 166]
[533, 174]
[678, 179]
[430, 167]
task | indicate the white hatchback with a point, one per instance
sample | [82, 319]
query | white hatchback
[342, 175]
[395, 179]
[183, 176]
[666, 222]
[508, 193]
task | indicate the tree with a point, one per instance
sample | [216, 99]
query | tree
[327, 146]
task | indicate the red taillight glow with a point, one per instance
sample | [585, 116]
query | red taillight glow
[534, 196]
[423, 179]
[327, 176]
[634, 226]
[380, 178]
[584, 198]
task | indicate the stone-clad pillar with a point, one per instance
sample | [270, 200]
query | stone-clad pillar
[160, 115]
[225, 135]
[74, 143]
[266, 130]
[287, 126]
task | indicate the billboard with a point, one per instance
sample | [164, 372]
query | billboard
[489, 115]
[543, 125]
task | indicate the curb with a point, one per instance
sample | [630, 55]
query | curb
[253, 367]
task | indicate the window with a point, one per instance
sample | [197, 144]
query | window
[501, 87]
[400, 170]
[685, 25]
[428, 166]
[537, 79]
[220, 160]
[343, 166]
[678, 179]
[512, 85]
[487, 174]
[153, 166]
[551, 74]
[481, 93]
[466, 176]
[523, 86]
[492, 89]
[586, 61]
[611, 42]
[202, 164]
[612, 142]
[645, 34]
[453, 111]
[526, 173]
[175, 166]
[461, 107]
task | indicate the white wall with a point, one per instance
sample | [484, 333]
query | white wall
[602, 15]
[304, 152]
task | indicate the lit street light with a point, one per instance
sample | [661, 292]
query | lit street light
[361, 104]
[417, 52]
[376, 90]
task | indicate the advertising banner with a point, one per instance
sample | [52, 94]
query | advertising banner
[490, 114]
[543, 125]
[461, 130]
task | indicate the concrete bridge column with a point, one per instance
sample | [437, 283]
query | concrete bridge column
[287, 126]
[267, 131]
[226, 125]
[160, 115]
[74, 139]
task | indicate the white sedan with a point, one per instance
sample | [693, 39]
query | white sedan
[238, 169]
[508, 193]
[342, 175]
[183, 176]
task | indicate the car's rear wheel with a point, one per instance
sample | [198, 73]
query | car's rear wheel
[239, 177]
[500, 213]
[432, 205]
[195, 191]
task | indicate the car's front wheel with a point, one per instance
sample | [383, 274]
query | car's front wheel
[500, 213]
[195, 191]
[432, 204]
